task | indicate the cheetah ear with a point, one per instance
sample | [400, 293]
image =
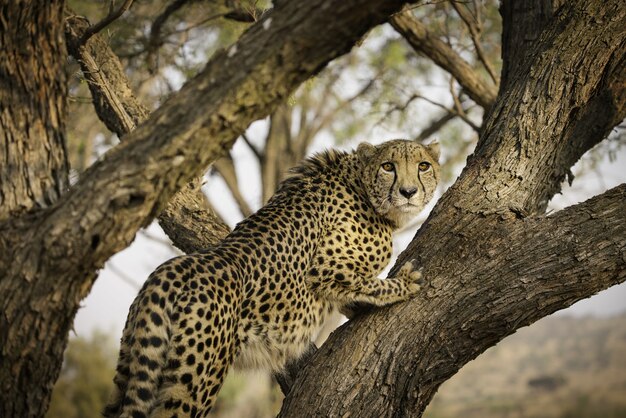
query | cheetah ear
[433, 150]
[365, 151]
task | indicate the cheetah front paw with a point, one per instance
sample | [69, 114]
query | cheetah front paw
[412, 277]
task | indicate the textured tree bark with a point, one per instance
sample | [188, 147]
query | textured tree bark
[187, 219]
[499, 275]
[32, 108]
[492, 268]
[33, 174]
[49, 259]
[522, 24]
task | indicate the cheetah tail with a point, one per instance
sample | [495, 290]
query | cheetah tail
[141, 360]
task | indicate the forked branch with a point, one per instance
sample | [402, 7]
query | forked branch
[110, 18]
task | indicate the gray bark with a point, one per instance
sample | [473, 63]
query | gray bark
[495, 263]
[49, 259]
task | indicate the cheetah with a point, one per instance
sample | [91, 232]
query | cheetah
[257, 299]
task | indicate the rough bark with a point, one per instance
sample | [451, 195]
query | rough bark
[511, 273]
[48, 260]
[32, 108]
[188, 220]
[522, 24]
[33, 174]
[492, 268]
[112, 97]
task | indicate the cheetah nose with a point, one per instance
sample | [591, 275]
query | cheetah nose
[408, 192]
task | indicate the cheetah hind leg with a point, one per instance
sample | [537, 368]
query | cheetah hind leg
[113, 408]
[195, 371]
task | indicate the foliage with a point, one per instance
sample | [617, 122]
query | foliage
[86, 377]
[86, 381]
[382, 86]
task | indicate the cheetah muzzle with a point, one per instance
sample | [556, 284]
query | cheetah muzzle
[256, 299]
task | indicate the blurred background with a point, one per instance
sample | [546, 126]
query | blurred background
[572, 364]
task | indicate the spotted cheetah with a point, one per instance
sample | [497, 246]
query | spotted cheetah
[256, 299]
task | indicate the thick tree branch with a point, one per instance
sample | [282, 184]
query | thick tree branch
[522, 24]
[188, 219]
[491, 271]
[417, 35]
[583, 47]
[114, 101]
[508, 277]
[110, 18]
[126, 189]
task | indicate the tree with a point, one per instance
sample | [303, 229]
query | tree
[561, 91]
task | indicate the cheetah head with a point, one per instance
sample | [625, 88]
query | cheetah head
[400, 177]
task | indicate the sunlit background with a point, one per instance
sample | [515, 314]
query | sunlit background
[572, 364]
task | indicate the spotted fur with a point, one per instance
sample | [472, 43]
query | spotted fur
[257, 299]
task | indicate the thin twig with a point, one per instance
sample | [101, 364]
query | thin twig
[461, 115]
[122, 276]
[435, 126]
[155, 30]
[250, 145]
[473, 25]
[111, 17]
[458, 107]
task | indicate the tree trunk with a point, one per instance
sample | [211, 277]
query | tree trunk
[522, 24]
[34, 168]
[33, 175]
[492, 268]
[49, 259]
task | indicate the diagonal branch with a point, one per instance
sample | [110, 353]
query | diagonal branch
[113, 99]
[157, 25]
[470, 23]
[417, 35]
[435, 126]
[545, 118]
[516, 274]
[491, 269]
[188, 219]
[110, 18]
[225, 166]
[252, 147]
[134, 181]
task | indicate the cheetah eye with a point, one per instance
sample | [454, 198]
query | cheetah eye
[387, 167]
[424, 166]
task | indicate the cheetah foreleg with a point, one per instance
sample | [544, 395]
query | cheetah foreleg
[405, 284]
[355, 289]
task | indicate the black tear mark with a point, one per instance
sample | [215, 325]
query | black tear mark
[136, 200]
